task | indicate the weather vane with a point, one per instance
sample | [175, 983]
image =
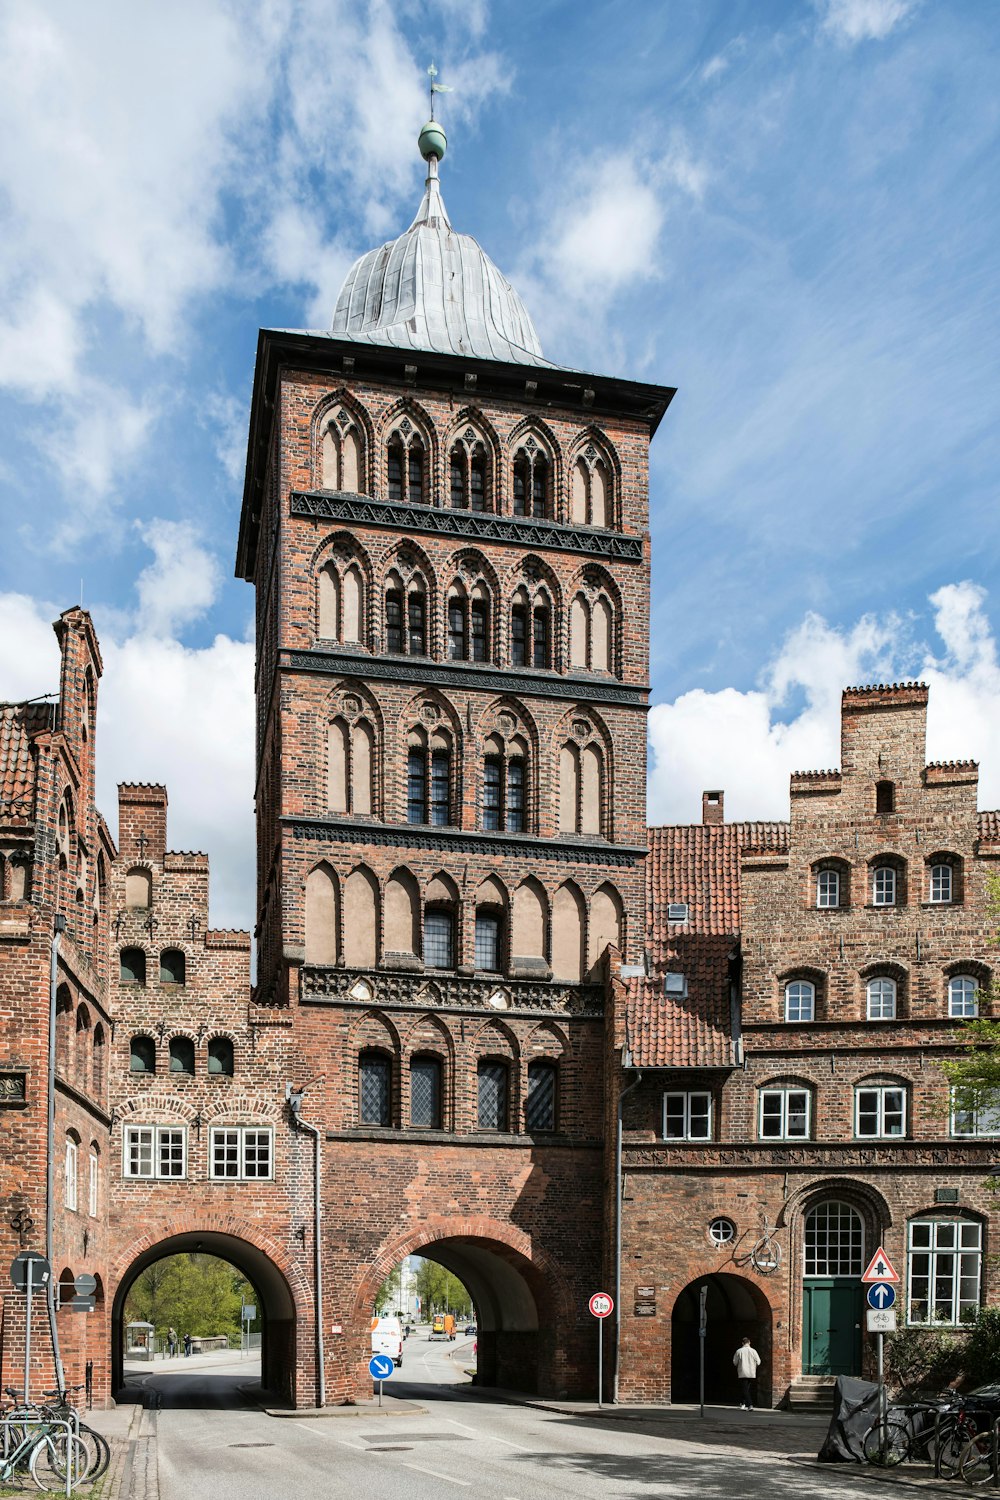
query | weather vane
[436, 88]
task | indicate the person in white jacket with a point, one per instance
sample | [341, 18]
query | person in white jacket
[746, 1359]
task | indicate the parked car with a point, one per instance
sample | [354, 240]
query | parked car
[470, 1332]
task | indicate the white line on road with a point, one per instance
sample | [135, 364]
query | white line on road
[321, 1431]
[449, 1478]
[488, 1437]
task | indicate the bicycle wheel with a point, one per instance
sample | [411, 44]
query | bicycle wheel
[887, 1445]
[976, 1462]
[947, 1452]
[53, 1454]
[98, 1451]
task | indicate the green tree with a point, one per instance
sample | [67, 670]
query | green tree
[440, 1291]
[975, 1075]
[387, 1296]
[196, 1294]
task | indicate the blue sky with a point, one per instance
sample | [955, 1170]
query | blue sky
[787, 210]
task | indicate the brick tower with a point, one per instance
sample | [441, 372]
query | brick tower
[448, 539]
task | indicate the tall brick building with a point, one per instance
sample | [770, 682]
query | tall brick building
[485, 1026]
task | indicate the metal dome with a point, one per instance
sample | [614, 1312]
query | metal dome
[435, 289]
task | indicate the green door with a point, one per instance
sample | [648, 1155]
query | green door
[831, 1326]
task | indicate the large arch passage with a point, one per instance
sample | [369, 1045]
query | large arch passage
[275, 1300]
[735, 1309]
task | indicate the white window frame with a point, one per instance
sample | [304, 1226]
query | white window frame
[953, 1289]
[803, 985]
[827, 885]
[884, 885]
[941, 885]
[70, 1169]
[696, 1105]
[784, 1115]
[882, 1092]
[977, 1119]
[968, 1009]
[881, 1006]
[161, 1155]
[93, 1193]
[238, 1145]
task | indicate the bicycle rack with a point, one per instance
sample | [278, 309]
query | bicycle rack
[70, 1423]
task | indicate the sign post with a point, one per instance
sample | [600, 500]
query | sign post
[702, 1331]
[29, 1272]
[881, 1280]
[602, 1305]
[380, 1367]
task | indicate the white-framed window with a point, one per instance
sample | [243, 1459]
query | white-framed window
[880, 1110]
[783, 1114]
[972, 1116]
[828, 888]
[240, 1152]
[881, 995]
[154, 1151]
[884, 885]
[687, 1116]
[800, 1000]
[69, 1196]
[963, 996]
[94, 1186]
[944, 1271]
[940, 885]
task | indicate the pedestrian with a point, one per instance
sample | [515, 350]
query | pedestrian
[187, 1345]
[746, 1359]
[172, 1341]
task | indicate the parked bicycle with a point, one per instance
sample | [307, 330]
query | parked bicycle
[937, 1432]
[48, 1448]
[91, 1450]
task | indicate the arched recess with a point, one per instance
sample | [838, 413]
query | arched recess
[568, 929]
[607, 924]
[361, 919]
[735, 1308]
[284, 1300]
[322, 924]
[401, 942]
[528, 928]
[524, 1312]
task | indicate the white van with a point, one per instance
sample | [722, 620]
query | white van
[387, 1338]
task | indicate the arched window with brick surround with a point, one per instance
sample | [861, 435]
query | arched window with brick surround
[407, 466]
[531, 479]
[342, 451]
[591, 491]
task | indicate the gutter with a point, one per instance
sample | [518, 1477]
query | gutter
[626, 1063]
[58, 928]
[295, 1105]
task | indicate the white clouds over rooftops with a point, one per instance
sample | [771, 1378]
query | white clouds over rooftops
[742, 742]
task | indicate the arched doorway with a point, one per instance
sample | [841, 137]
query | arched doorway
[735, 1308]
[833, 1264]
[276, 1302]
[526, 1341]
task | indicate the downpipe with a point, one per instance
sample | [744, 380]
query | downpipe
[295, 1105]
[58, 928]
[618, 1226]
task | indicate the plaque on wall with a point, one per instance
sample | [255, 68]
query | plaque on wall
[12, 1088]
[645, 1309]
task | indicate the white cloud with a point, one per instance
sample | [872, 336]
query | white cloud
[853, 21]
[180, 585]
[225, 417]
[742, 742]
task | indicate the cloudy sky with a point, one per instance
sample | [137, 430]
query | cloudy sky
[786, 208]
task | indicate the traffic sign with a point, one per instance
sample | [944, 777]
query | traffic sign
[381, 1366]
[881, 1320]
[602, 1304]
[880, 1295]
[880, 1268]
[85, 1284]
[40, 1270]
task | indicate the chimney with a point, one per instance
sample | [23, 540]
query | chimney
[712, 804]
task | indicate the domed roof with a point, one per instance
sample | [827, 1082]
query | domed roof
[435, 289]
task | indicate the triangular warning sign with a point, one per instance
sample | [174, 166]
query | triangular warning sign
[880, 1268]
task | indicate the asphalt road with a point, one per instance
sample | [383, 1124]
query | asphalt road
[212, 1443]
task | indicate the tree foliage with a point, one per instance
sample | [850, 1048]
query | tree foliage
[387, 1296]
[196, 1294]
[440, 1291]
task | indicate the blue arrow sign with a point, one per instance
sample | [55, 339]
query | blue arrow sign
[381, 1366]
[881, 1294]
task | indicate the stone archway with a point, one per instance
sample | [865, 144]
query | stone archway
[286, 1342]
[522, 1306]
[736, 1308]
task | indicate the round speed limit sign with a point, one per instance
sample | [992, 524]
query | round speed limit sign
[602, 1305]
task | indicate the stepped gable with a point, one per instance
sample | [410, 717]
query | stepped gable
[699, 865]
[20, 723]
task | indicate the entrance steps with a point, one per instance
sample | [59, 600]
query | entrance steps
[812, 1393]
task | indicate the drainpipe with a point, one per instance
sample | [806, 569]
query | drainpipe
[626, 1063]
[58, 928]
[295, 1105]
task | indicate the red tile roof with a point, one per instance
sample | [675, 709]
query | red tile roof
[699, 865]
[989, 826]
[19, 724]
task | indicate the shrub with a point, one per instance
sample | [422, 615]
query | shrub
[924, 1358]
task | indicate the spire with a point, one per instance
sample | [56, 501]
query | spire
[432, 210]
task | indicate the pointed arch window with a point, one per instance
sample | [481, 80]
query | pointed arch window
[493, 1078]
[532, 481]
[590, 490]
[504, 786]
[581, 784]
[405, 616]
[467, 474]
[439, 937]
[489, 939]
[425, 1092]
[375, 1088]
[540, 1103]
[429, 779]
[406, 464]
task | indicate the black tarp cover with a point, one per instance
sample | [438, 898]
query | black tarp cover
[855, 1408]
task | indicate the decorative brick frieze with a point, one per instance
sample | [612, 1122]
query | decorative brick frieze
[495, 994]
[385, 836]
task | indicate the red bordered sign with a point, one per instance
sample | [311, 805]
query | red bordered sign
[602, 1304]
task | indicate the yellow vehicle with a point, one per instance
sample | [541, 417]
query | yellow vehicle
[443, 1326]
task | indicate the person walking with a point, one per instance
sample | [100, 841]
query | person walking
[172, 1341]
[187, 1344]
[747, 1360]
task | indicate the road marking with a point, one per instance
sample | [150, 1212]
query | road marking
[489, 1437]
[448, 1478]
[322, 1432]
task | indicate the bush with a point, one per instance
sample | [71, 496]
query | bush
[982, 1351]
[924, 1358]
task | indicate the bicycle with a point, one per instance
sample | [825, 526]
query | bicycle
[49, 1452]
[56, 1404]
[940, 1441]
